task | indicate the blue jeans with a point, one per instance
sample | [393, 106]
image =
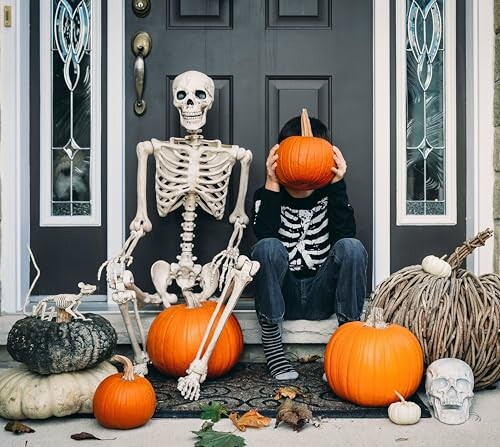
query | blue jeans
[338, 287]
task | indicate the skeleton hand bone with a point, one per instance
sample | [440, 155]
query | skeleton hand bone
[189, 386]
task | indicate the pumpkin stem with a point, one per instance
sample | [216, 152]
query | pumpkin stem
[128, 367]
[376, 319]
[401, 398]
[63, 316]
[305, 124]
[461, 252]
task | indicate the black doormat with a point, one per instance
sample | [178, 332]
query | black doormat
[249, 385]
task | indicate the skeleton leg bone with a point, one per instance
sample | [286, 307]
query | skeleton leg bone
[240, 276]
[140, 357]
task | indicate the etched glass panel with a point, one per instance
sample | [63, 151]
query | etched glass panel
[71, 107]
[425, 117]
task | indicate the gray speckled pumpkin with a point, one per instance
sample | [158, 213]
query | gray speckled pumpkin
[49, 347]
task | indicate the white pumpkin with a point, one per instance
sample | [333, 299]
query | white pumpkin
[28, 395]
[404, 412]
[436, 266]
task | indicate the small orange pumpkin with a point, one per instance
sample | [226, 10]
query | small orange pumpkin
[366, 362]
[177, 332]
[124, 400]
[305, 162]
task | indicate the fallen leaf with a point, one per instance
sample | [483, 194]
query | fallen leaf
[288, 391]
[83, 436]
[213, 411]
[212, 438]
[17, 428]
[294, 414]
[251, 418]
[309, 358]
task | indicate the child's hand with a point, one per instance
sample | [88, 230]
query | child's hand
[341, 165]
[272, 182]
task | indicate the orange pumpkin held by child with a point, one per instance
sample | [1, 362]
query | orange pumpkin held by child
[124, 400]
[305, 162]
[366, 362]
[177, 332]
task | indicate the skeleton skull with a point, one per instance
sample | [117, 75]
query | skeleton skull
[193, 93]
[449, 384]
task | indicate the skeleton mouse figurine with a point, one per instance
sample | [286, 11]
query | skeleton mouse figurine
[191, 172]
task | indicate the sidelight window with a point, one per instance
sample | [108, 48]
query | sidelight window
[69, 113]
[426, 112]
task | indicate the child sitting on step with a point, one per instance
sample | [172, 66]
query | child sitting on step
[311, 266]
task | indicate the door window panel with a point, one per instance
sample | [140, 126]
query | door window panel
[426, 142]
[70, 193]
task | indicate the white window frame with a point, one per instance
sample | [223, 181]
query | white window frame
[46, 217]
[449, 36]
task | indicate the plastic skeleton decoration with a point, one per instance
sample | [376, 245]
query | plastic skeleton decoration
[190, 172]
[449, 384]
[65, 301]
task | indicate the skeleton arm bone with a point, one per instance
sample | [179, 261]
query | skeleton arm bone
[238, 217]
[141, 220]
[245, 156]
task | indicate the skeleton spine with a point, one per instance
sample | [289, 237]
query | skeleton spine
[186, 257]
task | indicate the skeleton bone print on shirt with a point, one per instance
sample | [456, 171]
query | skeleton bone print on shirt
[305, 235]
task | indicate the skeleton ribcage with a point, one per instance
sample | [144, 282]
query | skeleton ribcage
[183, 169]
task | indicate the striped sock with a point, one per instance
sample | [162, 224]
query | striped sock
[279, 367]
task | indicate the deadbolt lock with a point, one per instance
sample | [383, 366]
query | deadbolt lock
[141, 8]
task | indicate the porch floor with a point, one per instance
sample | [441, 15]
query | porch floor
[483, 428]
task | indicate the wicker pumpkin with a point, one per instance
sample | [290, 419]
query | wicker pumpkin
[454, 316]
[28, 395]
[177, 332]
[49, 347]
[366, 362]
[305, 162]
[124, 400]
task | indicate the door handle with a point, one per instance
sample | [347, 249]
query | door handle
[141, 46]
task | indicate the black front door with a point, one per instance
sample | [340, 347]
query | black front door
[269, 59]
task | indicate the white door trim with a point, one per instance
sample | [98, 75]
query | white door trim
[480, 54]
[381, 140]
[14, 155]
[116, 127]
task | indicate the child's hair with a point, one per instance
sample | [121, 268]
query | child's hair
[292, 128]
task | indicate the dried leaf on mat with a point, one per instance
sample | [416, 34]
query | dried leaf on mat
[83, 436]
[288, 391]
[294, 414]
[213, 411]
[309, 358]
[18, 428]
[251, 418]
[211, 438]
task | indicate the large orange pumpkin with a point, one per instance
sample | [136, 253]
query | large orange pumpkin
[366, 363]
[124, 400]
[177, 332]
[305, 162]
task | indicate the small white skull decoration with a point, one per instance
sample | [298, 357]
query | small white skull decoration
[449, 385]
[193, 93]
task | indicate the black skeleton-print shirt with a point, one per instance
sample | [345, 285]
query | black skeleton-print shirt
[307, 227]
